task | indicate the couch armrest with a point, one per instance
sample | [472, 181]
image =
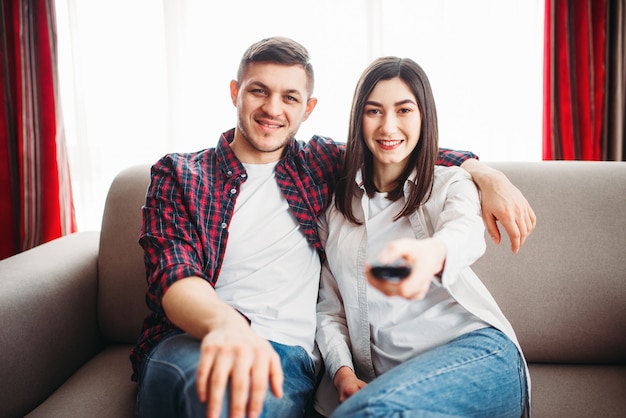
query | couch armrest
[48, 324]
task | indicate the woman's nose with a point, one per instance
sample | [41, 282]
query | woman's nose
[389, 124]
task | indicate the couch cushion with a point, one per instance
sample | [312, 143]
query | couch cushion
[559, 391]
[565, 291]
[101, 388]
[122, 278]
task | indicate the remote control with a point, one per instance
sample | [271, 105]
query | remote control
[393, 272]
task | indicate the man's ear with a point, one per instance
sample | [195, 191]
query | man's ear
[310, 105]
[234, 91]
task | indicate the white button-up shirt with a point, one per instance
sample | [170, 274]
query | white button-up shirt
[451, 214]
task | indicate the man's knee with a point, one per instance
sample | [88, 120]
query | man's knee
[167, 380]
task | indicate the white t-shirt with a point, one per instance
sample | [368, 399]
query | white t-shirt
[270, 273]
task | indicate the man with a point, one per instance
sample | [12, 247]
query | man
[233, 257]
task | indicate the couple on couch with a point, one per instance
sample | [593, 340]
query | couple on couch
[239, 238]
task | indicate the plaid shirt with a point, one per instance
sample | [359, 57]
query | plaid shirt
[190, 203]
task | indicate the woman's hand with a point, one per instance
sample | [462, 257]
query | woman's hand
[347, 383]
[426, 258]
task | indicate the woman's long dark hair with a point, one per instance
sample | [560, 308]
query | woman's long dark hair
[358, 155]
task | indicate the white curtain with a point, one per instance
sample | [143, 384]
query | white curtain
[140, 78]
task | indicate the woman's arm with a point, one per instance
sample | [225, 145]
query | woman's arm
[332, 335]
[457, 240]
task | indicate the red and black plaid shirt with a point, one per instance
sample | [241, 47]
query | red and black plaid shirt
[190, 203]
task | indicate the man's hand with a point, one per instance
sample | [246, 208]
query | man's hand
[502, 201]
[347, 383]
[248, 360]
[229, 350]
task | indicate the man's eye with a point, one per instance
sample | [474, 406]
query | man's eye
[258, 91]
[291, 99]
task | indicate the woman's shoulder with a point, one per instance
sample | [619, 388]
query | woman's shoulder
[453, 180]
[447, 175]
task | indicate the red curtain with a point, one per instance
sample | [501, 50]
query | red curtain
[578, 69]
[36, 204]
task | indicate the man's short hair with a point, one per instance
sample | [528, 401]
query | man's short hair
[278, 50]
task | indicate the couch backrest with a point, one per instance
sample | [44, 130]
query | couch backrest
[565, 292]
[122, 278]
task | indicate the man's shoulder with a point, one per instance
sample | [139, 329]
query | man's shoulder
[187, 159]
[321, 155]
[185, 167]
[325, 143]
[322, 150]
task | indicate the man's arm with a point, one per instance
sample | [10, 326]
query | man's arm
[229, 349]
[499, 198]
[502, 201]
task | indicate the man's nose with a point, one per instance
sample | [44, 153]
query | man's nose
[272, 105]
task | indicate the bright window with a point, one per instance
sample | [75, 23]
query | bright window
[140, 78]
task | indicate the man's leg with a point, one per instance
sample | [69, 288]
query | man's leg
[479, 374]
[298, 387]
[167, 382]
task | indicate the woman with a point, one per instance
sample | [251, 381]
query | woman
[435, 343]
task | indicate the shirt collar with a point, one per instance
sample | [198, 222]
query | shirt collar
[361, 182]
[227, 161]
[230, 165]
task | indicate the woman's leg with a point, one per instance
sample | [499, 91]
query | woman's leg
[479, 374]
[167, 382]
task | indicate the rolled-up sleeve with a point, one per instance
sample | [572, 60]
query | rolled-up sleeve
[172, 249]
[448, 157]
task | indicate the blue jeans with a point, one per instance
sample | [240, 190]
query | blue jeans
[167, 382]
[479, 374]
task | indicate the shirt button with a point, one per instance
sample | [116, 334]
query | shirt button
[233, 191]
[244, 175]
[229, 173]
[223, 225]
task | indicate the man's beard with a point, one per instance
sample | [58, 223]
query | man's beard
[254, 144]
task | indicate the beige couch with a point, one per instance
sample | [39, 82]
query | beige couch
[71, 309]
